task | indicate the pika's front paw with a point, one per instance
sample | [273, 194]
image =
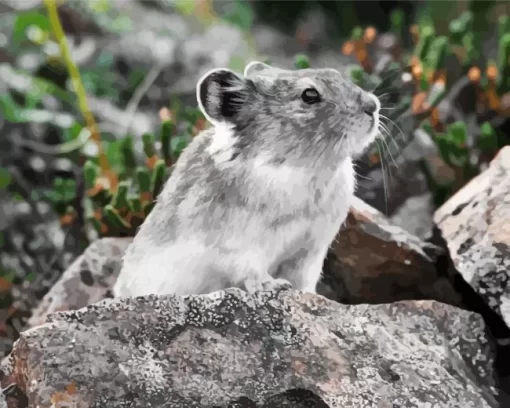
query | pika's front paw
[268, 285]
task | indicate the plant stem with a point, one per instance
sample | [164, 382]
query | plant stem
[51, 7]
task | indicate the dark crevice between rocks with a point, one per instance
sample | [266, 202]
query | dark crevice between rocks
[294, 398]
[16, 396]
[497, 331]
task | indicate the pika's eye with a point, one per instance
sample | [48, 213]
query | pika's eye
[310, 96]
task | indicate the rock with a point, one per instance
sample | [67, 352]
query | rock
[475, 223]
[373, 261]
[87, 280]
[416, 216]
[232, 349]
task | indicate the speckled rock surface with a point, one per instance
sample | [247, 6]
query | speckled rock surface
[88, 279]
[374, 261]
[475, 223]
[261, 350]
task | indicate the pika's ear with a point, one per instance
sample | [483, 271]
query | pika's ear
[255, 66]
[221, 94]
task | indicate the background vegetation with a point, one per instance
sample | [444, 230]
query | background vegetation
[69, 175]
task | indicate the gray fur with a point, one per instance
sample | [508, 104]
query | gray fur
[256, 200]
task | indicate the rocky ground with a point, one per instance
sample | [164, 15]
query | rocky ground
[282, 349]
[413, 309]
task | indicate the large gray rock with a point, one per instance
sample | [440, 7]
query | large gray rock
[232, 349]
[88, 279]
[475, 223]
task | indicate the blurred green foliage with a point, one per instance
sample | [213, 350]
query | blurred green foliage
[431, 60]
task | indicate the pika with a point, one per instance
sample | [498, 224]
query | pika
[256, 200]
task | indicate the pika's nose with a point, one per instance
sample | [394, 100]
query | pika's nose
[369, 106]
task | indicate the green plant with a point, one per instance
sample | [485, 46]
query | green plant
[119, 187]
[118, 210]
[429, 60]
[301, 61]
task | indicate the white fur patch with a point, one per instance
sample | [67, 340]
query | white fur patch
[281, 178]
[223, 142]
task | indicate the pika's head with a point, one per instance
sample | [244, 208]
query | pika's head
[289, 116]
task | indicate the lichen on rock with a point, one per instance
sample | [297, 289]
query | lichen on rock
[475, 223]
[254, 350]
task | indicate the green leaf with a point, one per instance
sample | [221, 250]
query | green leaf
[30, 277]
[72, 132]
[301, 61]
[128, 153]
[503, 26]
[166, 132]
[357, 74]
[241, 15]
[26, 19]
[457, 133]
[504, 52]
[397, 21]
[114, 154]
[148, 140]
[120, 198]
[457, 31]
[9, 108]
[113, 218]
[186, 7]
[425, 41]
[5, 178]
[441, 140]
[191, 114]
[488, 140]
[101, 198]
[158, 177]
[90, 172]
[144, 179]
[69, 190]
[437, 53]
[135, 204]
[466, 18]
[179, 143]
[357, 33]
